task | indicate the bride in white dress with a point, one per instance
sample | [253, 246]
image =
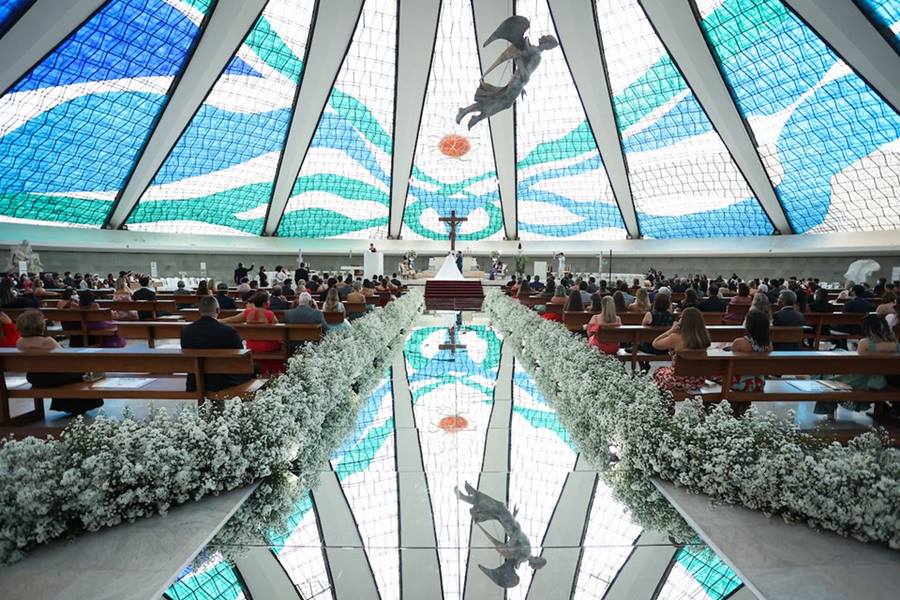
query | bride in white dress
[449, 271]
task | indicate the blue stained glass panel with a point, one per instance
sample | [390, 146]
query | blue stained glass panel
[72, 128]
[218, 178]
[683, 179]
[343, 187]
[828, 140]
[10, 11]
[215, 581]
[886, 16]
[563, 189]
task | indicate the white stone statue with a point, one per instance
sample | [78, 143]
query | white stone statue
[23, 252]
[860, 270]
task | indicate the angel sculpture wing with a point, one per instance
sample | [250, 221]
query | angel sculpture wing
[513, 31]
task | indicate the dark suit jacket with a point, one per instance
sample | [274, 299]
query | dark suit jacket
[787, 317]
[276, 303]
[856, 305]
[144, 294]
[207, 334]
[225, 301]
[307, 315]
[713, 304]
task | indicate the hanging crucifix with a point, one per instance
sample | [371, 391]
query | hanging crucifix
[453, 220]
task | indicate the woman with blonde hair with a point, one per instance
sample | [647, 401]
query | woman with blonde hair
[641, 302]
[761, 303]
[606, 319]
[333, 304]
[687, 334]
[122, 293]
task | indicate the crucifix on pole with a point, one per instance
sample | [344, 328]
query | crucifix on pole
[452, 346]
[453, 220]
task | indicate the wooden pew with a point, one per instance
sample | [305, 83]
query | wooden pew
[636, 334]
[149, 306]
[165, 367]
[287, 333]
[818, 321]
[71, 315]
[575, 321]
[334, 317]
[720, 363]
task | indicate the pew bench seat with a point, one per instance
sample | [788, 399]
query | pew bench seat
[128, 374]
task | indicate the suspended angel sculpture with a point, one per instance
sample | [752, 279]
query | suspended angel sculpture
[515, 550]
[491, 99]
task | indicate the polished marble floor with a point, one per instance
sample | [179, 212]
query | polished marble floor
[384, 521]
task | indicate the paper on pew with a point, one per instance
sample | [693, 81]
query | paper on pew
[114, 383]
[12, 382]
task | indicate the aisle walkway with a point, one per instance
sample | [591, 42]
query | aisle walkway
[384, 517]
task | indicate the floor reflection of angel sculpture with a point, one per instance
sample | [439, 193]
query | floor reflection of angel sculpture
[516, 549]
[491, 99]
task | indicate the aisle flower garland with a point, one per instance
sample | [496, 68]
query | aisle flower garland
[114, 471]
[622, 423]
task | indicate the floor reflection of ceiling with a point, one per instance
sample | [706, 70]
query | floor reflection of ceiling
[455, 396]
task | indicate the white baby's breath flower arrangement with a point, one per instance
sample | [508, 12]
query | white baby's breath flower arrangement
[111, 471]
[623, 423]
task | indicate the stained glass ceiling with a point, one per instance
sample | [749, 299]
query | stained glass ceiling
[74, 127]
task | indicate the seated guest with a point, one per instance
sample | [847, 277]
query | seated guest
[356, 297]
[585, 294]
[207, 333]
[122, 293]
[592, 285]
[243, 286]
[559, 297]
[550, 288]
[40, 292]
[181, 290]
[144, 293]
[820, 303]
[758, 339]
[574, 303]
[743, 299]
[687, 334]
[249, 294]
[536, 285]
[877, 338]
[287, 288]
[620, 301]
[623, 287]
[368, 290]
[641, 302]
[659, 316]
[304, 313]
[34, 338]
[278, 301]
[394, 280]
[203, 288]
[888, 308]
[523, 293]
[606, 319]
[258, 313]
[333, 304]
[856, 304]
[787, 315]
[225, 301]
[713, 302]
[691, 299]
[9, 335]
[761, 303]
[9, 298]
[86, 301]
